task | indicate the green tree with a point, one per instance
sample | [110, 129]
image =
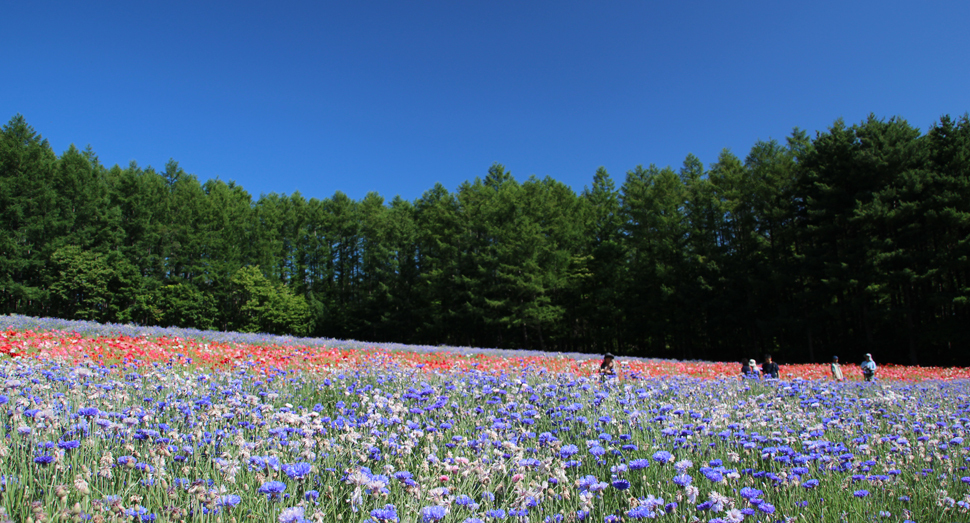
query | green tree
[263, 306]
[78, 281]
[29, 216]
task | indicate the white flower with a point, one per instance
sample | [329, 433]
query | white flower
[291, 515]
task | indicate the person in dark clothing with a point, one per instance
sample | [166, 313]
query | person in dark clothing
[607, 369]
[769, 368]
[749, 369]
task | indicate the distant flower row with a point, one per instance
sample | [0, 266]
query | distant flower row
[78, 340]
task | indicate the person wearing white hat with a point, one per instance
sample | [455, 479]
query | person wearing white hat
[868, 368]
[749, 369]
[836, 369]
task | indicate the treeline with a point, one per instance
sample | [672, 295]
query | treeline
[854, 241]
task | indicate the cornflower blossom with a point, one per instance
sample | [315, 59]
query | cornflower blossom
[69, 445]
[639, 464]
[388, 513]
[682, 480]
[750, 493]
[621, 484]
[662, 456]
[433, 513]
[692, 492]
[228, 500]
[466, 501]
[88, 412]
[297, 470]
[292, 515]
[718, 501]
[272, 489]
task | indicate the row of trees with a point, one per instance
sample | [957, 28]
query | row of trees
[854, 241]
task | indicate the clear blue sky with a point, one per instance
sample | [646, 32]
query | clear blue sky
[394, 96]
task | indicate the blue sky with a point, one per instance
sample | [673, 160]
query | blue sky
[393, 97]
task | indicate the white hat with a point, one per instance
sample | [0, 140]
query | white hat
[752, 362]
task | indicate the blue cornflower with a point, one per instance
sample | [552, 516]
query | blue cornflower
[713, 475]
[466, 501]
[642, 511]
[662, 456]
[861, 493]
[495, 514]
[141, 513]
[228, 500]
[432, 513]
[585, 482]
[750, 493]
[766, 507]
[44, 460]
[567, 451]
[621, 484]
[638, 464]
[683, 479]
[69, 445]
[297, 470]
[388, 513]
[272, 488]
[812, 483]
[88, 412]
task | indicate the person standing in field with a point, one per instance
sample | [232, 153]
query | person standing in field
[607, 368]
[749, 369]
[836, 369]
[868, 368]
[769, 369]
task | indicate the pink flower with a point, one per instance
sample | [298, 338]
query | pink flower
[443, 479]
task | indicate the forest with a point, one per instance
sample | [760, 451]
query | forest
[855, 240]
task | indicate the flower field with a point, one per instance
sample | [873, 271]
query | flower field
[113, 423]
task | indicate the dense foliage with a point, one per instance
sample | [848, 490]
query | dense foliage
[854, 241]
